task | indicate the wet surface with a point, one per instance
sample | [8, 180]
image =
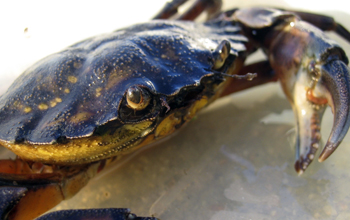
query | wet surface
[234, 161]
[226, 164]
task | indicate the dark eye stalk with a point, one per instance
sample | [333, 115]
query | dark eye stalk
[221, 53]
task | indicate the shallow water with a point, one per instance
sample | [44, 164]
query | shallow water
[234, 161]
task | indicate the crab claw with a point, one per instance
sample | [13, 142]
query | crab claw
[313, 73]
[309, 104]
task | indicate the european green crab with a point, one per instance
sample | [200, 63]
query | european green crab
[142, 105]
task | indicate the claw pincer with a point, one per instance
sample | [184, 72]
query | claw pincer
[312, 70]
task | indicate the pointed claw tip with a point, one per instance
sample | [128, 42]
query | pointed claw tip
[327, 151]
[298, 168]
[300, 172]
[323, 156]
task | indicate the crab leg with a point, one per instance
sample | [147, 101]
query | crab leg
[312, 70]
[42, 187]
[83, 214]
[26, 193]
[325, 23]
[8, 197]
[171, 8]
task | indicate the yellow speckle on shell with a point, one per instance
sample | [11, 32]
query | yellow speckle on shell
[80, 117]
[98, 91]
[53, 103]
[43, 106]
[72, 79]
[66, 90]
[77, 65]
[27, 109]
[17, 104]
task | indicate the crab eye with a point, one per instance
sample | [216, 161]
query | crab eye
[137, 98]
[221, 53]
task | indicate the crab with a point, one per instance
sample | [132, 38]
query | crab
[77, 110]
